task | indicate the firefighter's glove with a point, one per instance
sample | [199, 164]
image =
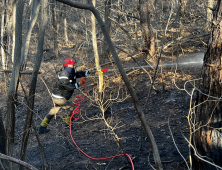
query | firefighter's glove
[87, 73]
[82, 81]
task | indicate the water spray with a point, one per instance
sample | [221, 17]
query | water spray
[148, 66]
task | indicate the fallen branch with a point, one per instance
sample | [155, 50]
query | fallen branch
[17, 161]
[21, 72]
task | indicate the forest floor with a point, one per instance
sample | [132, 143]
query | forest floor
[167, 109]
[166, 113]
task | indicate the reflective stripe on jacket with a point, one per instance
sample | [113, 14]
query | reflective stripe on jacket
[66, 84]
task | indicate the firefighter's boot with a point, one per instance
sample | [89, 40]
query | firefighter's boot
[68, 122]
[43, 126]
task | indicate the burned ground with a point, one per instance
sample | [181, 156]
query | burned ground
[167, 109]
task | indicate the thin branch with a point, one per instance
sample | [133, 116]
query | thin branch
[171, 134]
[183, 39]
[199, 157]
[133, 60]
[48, 90]
[41, 148]
[5, 50]
[76, 4]
[128, 35]
[196, 88]
[130, 16]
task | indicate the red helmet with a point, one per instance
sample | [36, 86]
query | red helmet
[68, 61]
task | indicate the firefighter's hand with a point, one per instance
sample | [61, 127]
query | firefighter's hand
[87, 73]
[82, 81]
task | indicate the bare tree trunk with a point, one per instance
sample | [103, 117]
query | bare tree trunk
[3, 34]
[2, 136]
[65, 26]
[2, 142]
[29, 26]
[61, 8]
[124, 76]
[55, 28]
[183, 4]
[31, 98]
[7, 31]
[10, 116]
[108, 4]
[14, 3]
[27, 11]
[95, 50]
[120, 5]
[149, 38]
[207, 130]
[210, 5]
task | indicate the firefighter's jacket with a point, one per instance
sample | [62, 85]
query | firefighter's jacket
[66, 84]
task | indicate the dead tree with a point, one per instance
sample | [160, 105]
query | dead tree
[4, 32]
[108, 4]
[210, 6]
[28, 30]
[95, 50]
[10, 116]
[182, 6]
[14, 3]
[207, 143]
[148, 36]
[55, 28]
[65, 25]
[56, 20]
[29, 26]
[31, 97]
[2, 142]
[2, 136]
[123, 74]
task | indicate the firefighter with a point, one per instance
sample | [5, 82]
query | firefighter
[62, 92]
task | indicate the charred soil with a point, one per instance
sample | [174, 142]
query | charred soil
[167, 108]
